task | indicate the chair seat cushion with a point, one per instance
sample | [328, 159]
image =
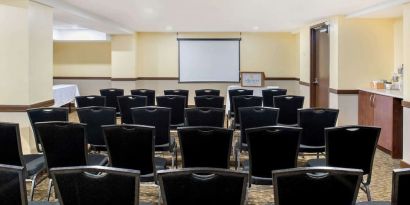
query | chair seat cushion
[316, 163]
[160, 163]
[311, 149]
[374, 203]
[34, 163]
[97, 160]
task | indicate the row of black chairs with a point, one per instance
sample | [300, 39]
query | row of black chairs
[64, 145]
[109, 186]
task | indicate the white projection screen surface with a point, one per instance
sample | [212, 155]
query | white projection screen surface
[209, 60]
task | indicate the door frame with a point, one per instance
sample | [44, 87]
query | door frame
[313, 63]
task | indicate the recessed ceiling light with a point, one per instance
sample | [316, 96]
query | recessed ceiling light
[255, 28]
[169, 28]
[148, 10]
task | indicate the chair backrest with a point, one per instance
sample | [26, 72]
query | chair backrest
[64, 143]
[94, 118]
[351, 147]
[268, 95]
[82, 185]
[203, 92]
[237, 92]
[45, 115]
[150, 94]
[281, 144]
[202, 186]
[250, 117]
[91, 100]
[158, 117]
[205, 116]
[314, 121]
[125, 104]
[12, 185]
[401, 184]
[209, 101]
[245, 101]
[205, 146]
[177, 104]
[10, 145]
[131, 147]
[319, 186]
[111, 95]
[288, 108]
[179, 92]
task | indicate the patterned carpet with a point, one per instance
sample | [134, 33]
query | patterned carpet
[261, 195]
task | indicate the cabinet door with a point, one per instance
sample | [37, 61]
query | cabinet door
[366, 109]
[383, 117]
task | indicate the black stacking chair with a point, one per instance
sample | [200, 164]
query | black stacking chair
[211, 92]
[351, 147]
[91, 100]
[205, 116]
[250, 117]
[319, 186]
[13, 187]
[401, 184]
[177, 104]
[45, 115]
[11, 154]
[271, 148]
[64, 145]
[209, 101]
[268, 95]
[203, 186]
[132, 147]
[111, 95]
[178, 92]
[82, 185]
[236, 92]
[94, 118]
[125, 104]
[150, 94]
[205, 146]
[288, 108]
[244, 101]
[314, 121]
[160, 118]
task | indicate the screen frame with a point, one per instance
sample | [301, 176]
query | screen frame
[208, 39]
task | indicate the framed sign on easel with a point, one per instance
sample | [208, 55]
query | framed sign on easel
[252, 79]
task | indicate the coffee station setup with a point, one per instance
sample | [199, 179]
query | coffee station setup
[381, 106]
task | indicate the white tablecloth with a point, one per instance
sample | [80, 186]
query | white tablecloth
[257, 91]
[64, 94]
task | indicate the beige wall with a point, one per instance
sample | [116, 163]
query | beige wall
[156, 55]
[366, 52]
[124, 56]
[14, 55]
[82, 59]
[41, 52]
[398, 43]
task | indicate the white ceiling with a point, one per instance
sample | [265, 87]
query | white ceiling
[124, 16]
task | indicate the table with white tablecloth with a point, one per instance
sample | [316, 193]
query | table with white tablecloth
[64, 94]
[257, 91]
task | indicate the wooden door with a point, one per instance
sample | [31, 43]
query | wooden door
[366, 108]
[383, 117]
[320, 67]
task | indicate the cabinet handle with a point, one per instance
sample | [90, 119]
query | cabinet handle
[374, 98]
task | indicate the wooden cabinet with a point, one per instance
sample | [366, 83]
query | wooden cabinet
[385, 112]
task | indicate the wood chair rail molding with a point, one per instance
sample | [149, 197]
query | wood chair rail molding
[148, 78]
[343, 92]
[405, 104]
[23, 108]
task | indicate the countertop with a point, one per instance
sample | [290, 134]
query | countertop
[390, 93]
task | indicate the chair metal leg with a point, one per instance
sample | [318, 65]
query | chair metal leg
[50, 184]
[317, 155]
[33, 186]
[369, 197]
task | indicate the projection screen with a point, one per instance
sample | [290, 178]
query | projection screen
[209, 60]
